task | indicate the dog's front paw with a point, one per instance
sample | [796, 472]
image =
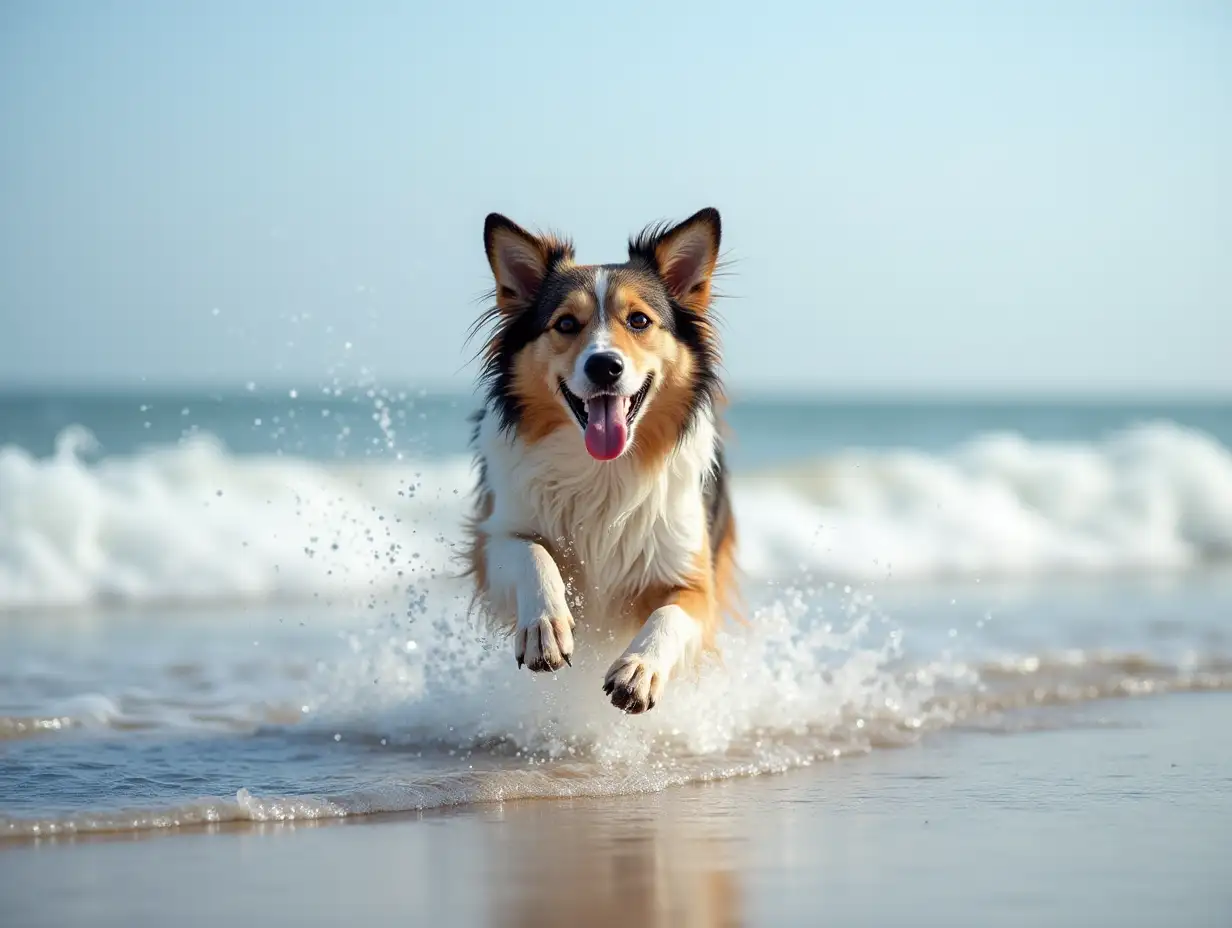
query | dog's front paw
[544, 644]
[635, 683]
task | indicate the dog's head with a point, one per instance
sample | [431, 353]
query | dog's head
[624, 354]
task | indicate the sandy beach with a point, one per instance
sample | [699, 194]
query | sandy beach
[1115, 812]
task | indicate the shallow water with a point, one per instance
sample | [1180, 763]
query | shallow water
[129, 721]
[200, 631]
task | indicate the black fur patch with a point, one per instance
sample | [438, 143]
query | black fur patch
[515, 331]
[694, 331]
[717, 494]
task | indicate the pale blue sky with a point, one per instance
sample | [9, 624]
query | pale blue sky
[974, 198]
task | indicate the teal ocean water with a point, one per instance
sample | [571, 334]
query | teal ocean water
[242, 605]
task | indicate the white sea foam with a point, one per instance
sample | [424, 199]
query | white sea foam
[449, 722]
[791, 689]
[194, 523]
[1154, 497]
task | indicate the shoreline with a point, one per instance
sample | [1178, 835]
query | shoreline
[1120, 807]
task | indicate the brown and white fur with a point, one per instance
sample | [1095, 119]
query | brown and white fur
[602, 499]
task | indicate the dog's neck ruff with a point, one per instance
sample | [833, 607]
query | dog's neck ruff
[625, 524]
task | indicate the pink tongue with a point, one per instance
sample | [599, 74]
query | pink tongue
[607, 430]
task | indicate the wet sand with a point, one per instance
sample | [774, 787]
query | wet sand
[1116, 813]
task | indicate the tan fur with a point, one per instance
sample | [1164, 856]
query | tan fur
[541, 367]
[692, 292]
[696, 597]
[515, 256]
[700, 582]
[542, 413]
[665, 418]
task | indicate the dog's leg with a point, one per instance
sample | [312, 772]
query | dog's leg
[524, 580]
[671, 636]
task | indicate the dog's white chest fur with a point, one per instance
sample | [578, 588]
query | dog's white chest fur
[627, 528]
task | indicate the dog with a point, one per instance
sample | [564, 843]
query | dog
[602, 495]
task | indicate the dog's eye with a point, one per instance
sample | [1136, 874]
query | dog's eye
[566, 325]
[639, 321]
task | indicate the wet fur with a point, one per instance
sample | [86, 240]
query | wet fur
[640, 546]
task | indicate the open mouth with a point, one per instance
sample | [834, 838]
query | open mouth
[579, 406]
[606, 418]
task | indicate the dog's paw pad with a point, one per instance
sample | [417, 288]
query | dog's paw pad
[544, 645]
[634, 684]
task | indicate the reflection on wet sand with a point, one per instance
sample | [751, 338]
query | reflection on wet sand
[641, 863]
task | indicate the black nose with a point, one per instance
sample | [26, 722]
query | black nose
[604, 368]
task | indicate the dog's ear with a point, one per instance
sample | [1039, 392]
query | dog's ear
[684, 256]
[520, 261]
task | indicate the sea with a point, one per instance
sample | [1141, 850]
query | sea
[243, 605]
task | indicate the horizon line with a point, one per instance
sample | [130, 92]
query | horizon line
[753, 390]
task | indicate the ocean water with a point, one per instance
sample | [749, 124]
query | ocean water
[243, 606]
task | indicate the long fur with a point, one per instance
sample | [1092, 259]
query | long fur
[643, 544]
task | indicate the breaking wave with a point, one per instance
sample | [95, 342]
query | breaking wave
[193, 523]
